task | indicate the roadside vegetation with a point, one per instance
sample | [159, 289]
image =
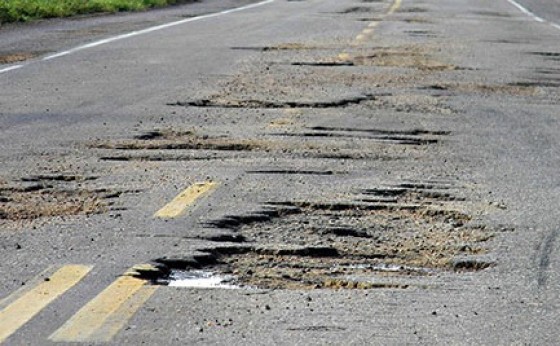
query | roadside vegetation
[26, 10]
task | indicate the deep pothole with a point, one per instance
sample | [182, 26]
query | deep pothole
[386, 237]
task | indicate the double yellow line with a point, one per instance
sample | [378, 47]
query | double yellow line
[102, 317]
[23, 305]
[105, 315]
[98, 321]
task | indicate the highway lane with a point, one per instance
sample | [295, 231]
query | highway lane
[278, 127]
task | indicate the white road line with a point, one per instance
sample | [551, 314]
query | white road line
[532, 15]
[11, 68]
[142, 32]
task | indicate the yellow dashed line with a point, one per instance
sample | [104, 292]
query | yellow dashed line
[32, 301]
[105, 315]
[396, 5]
[185, 199]
[344, 56]
[369, 30]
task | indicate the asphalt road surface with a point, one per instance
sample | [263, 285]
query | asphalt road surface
[342, 171]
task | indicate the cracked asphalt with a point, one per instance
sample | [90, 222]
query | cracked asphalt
[365, 172]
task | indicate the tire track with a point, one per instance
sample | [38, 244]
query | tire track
[546, 248]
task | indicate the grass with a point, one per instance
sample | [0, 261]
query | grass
[26, 10]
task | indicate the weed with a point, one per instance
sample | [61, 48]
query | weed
[25, 10]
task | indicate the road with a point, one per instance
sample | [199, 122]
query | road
[362, 172]
[547, 10]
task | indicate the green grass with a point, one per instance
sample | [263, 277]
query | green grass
[25, 10]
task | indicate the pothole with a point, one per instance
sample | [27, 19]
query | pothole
[421, 33]
[327, 143]
[230, 103]
[293, 172]
[280, 47]
[413, 10]
[387, 237]
[324, 63]
[538, 83]
[402, 57]
[492, 14]
[484, 89]
[175, 140]
[403, 137]
[411, 56]
[358, 9]
[47, 196]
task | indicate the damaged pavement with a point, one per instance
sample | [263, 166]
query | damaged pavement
[382, 172]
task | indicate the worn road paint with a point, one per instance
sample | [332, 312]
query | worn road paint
[185, 199]
[360, 37]
[370, 28]
[344, 56]
[11, 68]
[105, 315]
[35, 299]
[532, 15]
[141, 32]
[396, 5]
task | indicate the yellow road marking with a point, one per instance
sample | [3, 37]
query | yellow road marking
[344, 56]
[395, 7]
[186, 198]
[30, 303]
[369, 30]
[103, 317]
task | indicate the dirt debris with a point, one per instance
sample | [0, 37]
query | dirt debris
[11, 58]
[48, 196]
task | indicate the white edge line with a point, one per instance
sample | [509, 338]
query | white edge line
[11, 68]
[152, 29]
[532, 15]
[141, 32]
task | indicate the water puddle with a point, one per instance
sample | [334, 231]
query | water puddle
[199, 279]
